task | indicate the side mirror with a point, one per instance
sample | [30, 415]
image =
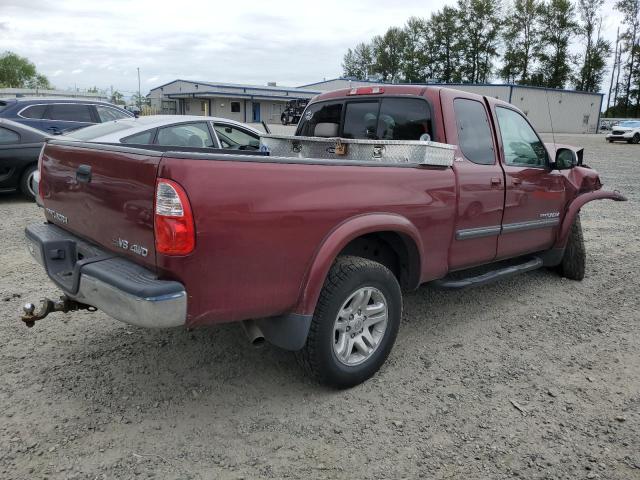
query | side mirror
[565, 159]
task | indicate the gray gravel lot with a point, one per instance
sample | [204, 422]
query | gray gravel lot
[84, 396]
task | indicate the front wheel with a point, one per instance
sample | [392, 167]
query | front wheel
[355, 323]
[574, 261]
[635, 138]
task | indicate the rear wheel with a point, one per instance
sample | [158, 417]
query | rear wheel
[355, 323]
[27, 185]
[574, 260]
[635, 138]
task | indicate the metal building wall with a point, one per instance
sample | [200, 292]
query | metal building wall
[569, 111]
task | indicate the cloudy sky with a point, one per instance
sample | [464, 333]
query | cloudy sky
[82, 43]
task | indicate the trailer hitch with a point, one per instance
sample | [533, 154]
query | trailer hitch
[47, 306]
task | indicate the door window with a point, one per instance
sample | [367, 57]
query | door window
[235, 138]
[474, 132]
[34, 111]
[107, 114]
[186, 135]
[8, 136]
[70, 112]
[521, 144]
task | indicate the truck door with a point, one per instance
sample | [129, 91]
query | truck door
[535, 196]
[479, 176]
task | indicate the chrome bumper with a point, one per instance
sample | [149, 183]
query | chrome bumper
[120, 288]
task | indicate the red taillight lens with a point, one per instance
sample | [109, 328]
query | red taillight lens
[173, 222]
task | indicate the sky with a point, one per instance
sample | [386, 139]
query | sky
[86, 43]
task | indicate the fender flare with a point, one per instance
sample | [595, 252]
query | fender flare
[339, 238]
[574, 208]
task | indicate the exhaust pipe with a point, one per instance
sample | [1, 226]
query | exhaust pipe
[254, 334]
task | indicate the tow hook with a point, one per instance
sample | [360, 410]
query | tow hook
[47, 306]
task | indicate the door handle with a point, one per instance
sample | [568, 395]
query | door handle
[496, 181]
[83, 174]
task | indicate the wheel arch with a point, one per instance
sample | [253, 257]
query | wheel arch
[396, 238]
[574, 208]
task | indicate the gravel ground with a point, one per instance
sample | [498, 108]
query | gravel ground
[536, 377]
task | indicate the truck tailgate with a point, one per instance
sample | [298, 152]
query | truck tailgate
[103, 194]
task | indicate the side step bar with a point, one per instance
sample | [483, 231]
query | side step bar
[491, 276]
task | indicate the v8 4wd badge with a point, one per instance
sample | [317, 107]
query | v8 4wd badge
[131, 247]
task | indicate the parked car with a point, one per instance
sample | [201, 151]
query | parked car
[57, 115]
[293, 111]
[628, 131]
[174, 131]
[311, 246]
[20, 146]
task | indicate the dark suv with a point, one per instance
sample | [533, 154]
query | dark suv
[57, 115]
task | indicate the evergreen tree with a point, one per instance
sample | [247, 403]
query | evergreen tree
[388, 52]
[444, 43]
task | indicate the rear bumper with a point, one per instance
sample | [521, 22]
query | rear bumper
[122, 289]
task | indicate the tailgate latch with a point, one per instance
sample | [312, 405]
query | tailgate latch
[47, 306]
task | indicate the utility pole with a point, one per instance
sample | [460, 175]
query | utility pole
[139, 96]
[613, 69]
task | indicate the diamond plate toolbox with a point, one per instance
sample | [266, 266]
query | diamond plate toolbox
[391, 152]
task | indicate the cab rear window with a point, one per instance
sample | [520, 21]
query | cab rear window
[388, 118]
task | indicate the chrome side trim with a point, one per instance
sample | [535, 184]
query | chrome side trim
[530, 225]
[469, 233]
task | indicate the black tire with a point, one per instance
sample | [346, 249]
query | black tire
[283, 120]
[573, 262]
[609, 140]
[347, 275]
[635, 138]
[25, 180]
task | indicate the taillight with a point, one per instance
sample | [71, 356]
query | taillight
[173, 221]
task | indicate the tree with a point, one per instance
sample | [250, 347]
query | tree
[140, 100]
[39, 81]
[480, 38]
[444, 43]
[522, 39]
[557, 17]
[388, 53]
[358, 62]
[630, 9]
[592, 63]
[117, 98]
[15, 71]
[415, 56]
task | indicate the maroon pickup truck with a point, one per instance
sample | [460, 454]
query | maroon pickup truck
[310, 241]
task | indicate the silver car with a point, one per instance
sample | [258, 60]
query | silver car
[173, 131]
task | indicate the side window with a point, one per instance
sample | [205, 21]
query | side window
[8, 136]
[107, 114]
[142, 138]
[361, 120]
[185, 135]
[34, 111]
[73, 112]
[521, 144]
[404, 119]
[326, 114]
[474, 132]
[235, 138]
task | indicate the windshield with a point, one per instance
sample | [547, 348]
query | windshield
[96, 131]
[632, 124]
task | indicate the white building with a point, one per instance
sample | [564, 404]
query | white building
[569, 111]
[244, 103]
